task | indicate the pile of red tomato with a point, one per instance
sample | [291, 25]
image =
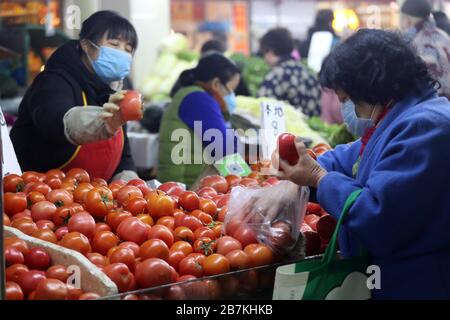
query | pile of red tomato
[31, 275]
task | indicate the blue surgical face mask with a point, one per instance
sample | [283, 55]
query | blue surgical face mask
[357, 126]
[231, 102]
[111, 64]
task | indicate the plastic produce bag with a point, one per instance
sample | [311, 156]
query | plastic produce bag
[275, 223]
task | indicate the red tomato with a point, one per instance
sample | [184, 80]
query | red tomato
[101, 226]
[161, 232]
[146, 218]
[79, 175]
[171, 188]
[13, 256]
[178, 219]
[153, 272]
[227, 244]
[14, 202]
[13, 183]
[115, 187]
[287, 149]
[30, 176]
[51, 289]
[189, 200]
[133, 229]
[115, 217]
[223, 201]
[216, 264]
[53, 182]
[233, 180]
[314, 208]
[14, 272]
[55, 173]
[79, 195]
[216, 227]
[60, 197]
[17, 243]
[99, 182]
[89, 296]
[259, 254]
[128, 192]
[238, 259]
[204, 232]
[183, 246]
[280, 236]
[202, 216]
[245, 235]
[23, 214]
[58, 272]
[130, 245]
[160, 205]
[37, 258]
[125, 256]
[222, 214]
[207, 192]
[121, 276]
[232, 225]
[248, 182]
[312, 220]
[97, 259]
[35, 197]
[312, 243]
[99, 201]
[154, 248]
[131, 106]
[208, 206]
[184, 234]
[61, 232]
[25, 225]
[175, 257]
[204, 245]
[28, 281]
[319, 151]
[192, 222]
[103, 241]
[63, 214]
[218, 183]
[73, 293]
[167, 221]
[82, 222]
[136, 205]
[46, 235]
[43, 210]
[45, 224]
[13, 291]
[190, 266]
[37, 187]
[140, 184]
[6, 220]
[76, 241]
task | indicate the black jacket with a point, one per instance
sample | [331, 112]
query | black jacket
[38, 134]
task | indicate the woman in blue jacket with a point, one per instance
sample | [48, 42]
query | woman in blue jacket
[402, 216]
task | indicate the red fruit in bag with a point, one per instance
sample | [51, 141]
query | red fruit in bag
[312, 220]
[325, 226]
[312, 243]
[314, 208]
[287, 150]
[131, 106]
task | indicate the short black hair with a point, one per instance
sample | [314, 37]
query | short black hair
[278, 40]
[213, 45]
[375, 66]
[110, 23]
[417, 8]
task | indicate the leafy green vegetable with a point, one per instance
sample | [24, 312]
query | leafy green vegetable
[334, 133]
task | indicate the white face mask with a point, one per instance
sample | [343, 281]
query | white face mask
[357, 126]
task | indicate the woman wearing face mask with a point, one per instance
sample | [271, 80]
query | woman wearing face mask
[400, 164]
[69, 116]
[200, 108]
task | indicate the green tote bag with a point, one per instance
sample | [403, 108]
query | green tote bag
[331, 278]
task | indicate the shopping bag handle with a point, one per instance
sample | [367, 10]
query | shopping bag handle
[330, 252]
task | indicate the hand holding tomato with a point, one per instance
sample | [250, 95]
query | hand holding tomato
[111, 112]
[131, 106]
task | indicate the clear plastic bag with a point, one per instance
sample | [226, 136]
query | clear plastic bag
[273, 214]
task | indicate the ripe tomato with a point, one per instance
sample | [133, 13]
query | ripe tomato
[248, 182]
[202, 216]
[63, 214]
[216, 264]
[38, 187]
[13, 256]
[312, 220]
[101, 226]
[73, 293]
[218, 183]
[76, 241]
[238, 259]
[61, 232]
[46, 235]
[37, 258]
[171, 188]
[103, 241]
[140, 184]
[125, 256]
[58, 272]
[14, 202]
[130, 245]
[216, 227]
[191, 266]
[204, 245]
[128, 192]
[81, 191]
[115, 217]
[167, 221]
[153, 272]
[133, 229]
[136, 205]
[25, 225]
[163, 233]
[30, 176]
[82, 222]
[227, 244]
[223, 201]
[53, 182]
[45, 224]
[17, 243]
[13, 183]
[183, 246]
[51, 289]
[99, 182]
[207, 192]
[222, 214]
[245, 235]
[28, 281]
[6, 220]
[204, 232]
[175, 257]
[55, 173]
[232, 225]
[208, 206]
[79, 175]
[192, 222]
[43, 210]
[233, 180]
[23, 214]
[287, 149]
[99, 201]
[97, 259]
[259, 254]
[154, 248]
[89, 296]
[121, 276]
[131, 106]
[13, 291]
[35, 197]
[14, 272]
[280, 235]
[115, 187]
[60, 197]
[189, 200]
[159, 204]
[184, 234]
[178, 219]
[146, 218]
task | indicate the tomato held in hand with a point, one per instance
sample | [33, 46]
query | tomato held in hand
[131, 106]
[153, 272]
[287, 149]
[216, 264]
[99, 201]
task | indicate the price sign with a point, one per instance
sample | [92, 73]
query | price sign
[232, 164]
[10, 163]
[273, 123]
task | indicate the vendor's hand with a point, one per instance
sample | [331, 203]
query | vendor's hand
[307, 172]
[111, 112]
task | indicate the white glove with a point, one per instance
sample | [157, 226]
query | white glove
[111, 112]
[125, 175]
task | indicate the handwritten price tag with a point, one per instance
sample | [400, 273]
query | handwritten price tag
[273, 123]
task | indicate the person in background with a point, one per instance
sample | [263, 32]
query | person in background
[205, 101]
[213, 45]
[69, 117]
[432, 43]
[442, 21]
[288, 80]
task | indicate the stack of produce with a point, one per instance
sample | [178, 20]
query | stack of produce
[253, 70]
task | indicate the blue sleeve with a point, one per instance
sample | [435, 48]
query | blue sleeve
[201, 107]
[397, 200]
[341, 159]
